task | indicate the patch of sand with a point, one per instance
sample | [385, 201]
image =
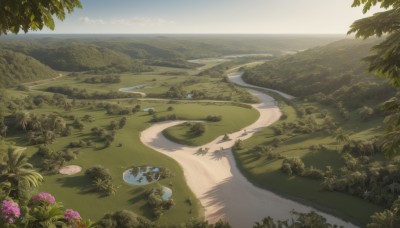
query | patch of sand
[70, 170]
[215, 179]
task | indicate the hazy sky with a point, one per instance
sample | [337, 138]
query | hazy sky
[211, 16]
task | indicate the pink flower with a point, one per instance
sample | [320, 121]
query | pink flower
[44, 197]
[10, 211]
[72, 215]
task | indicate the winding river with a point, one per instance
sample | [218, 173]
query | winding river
[215, 179]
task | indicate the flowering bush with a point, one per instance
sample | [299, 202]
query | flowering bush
[10, 211]
[44, 197]
[71, 215]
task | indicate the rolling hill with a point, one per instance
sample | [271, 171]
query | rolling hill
[17, 67]
[331, 73]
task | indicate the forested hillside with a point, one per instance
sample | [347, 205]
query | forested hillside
[78, 57]
[329, 74]
[148, 47]
[16, 68]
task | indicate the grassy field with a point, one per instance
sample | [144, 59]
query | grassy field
[74, 192]
[266, 173]
[229, 124]
[155, 84]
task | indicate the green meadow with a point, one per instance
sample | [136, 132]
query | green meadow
[266, 173]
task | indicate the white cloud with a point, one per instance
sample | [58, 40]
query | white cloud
[89, 21]
[142, 21]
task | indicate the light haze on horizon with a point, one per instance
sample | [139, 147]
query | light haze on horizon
[211, 16]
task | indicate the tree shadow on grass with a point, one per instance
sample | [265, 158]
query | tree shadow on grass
[250, 157]
[80, 182]
[321, 159]
[138, 195]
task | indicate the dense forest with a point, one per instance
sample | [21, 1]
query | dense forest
[33, 58]
[16, 67]
[329, 74]
[78, 57]
[173, 46]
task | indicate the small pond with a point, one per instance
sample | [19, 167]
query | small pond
[141, 175]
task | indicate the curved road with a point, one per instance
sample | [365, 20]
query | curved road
[215, 179]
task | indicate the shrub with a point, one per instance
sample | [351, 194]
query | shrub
[226, 138]
[295, 164]
[238, 145]
[287, 169]
[214, 118]
[44, 151]
[197, 129]
[98, 172]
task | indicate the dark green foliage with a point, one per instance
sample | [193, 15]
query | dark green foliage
[108, 79]
[123, 219]
[157, 118]
[330, 75]
[16, 68]
[293, 166]
[55, 160]
[385, 60]
[176, 63]
[204, 224]
[301, 220]
[389, 218]
[175, 92]
[98, 172]
[377, 182]
[197, 129]
[238, 145]
[122, 122]
[226, 138]
[214, 118]
[158, 204]
[44, 151]
[33, 15]
[101, 180]
[74, 93]
[77, 57]
[362, 147]
[391, 142]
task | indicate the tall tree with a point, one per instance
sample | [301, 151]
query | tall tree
[22, 119]
[16, 169]
[28, 15]
[386, 60]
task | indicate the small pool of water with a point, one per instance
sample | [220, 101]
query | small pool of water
[143, 175]
[167, 193]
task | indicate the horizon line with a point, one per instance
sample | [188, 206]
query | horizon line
[51, 33]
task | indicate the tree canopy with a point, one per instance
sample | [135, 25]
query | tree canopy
[28, 15]
[386, 60]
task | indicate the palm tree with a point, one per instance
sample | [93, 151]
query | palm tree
[47, 216]
[16, 169]
[49, 137]
[59, 123]
[22, 119]
[385, 219]
[35, 122]
[267, 222]
[341, 136]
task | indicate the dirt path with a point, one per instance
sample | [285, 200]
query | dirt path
[215, 179]
[32, 85]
